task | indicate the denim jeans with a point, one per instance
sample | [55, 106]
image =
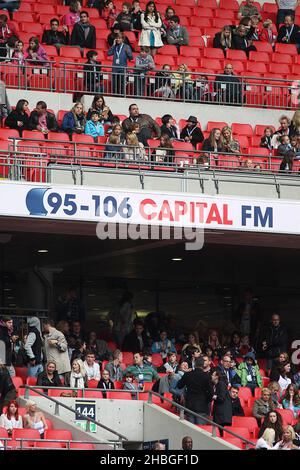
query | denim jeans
[34, 371]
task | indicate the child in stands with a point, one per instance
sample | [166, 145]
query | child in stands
[93, 127]
[266, 140]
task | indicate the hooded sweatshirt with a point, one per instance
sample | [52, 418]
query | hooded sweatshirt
[34, 342]
[244, 371]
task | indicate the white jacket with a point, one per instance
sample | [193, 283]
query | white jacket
[150, 25]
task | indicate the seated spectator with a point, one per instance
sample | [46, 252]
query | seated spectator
[98, 347]
[169, 127]
[92, 73]
[240, 41]
[136, 12]
[114, 367]
[8, 36]
[291, 400]
[193, 342]
[77, 378]
[192, 354]
[266, 441]
[124, 19]
[133, 149]
[113, 149]
[248, 371]
[115, 32]
[275, 393]
[92, 368]
[105, 382]
[169, 13]
[100, 106]
[130, 385]
[267, 33]
[77, 331]
[284, 129]
[176, 34]
[266, 140]
[73, 17]
[79, 350]
[287, 162]
[142, 372]
[295, 124]
[285, 146]
[288, 436]
[42, 120]
[229, 373]
[191, 132]
[49, 377]
[235, 344]
[237, 409]
[11, 419]
[165, 152]
[223, 39]
[19, 56]
[213, 337]
[254, 32]
[283, 376]
[289, 33]
[137, 339]
[248, 9]
[273, 420]
[228, 144]
[149, 128]
[35, 53]
[228, 87]
[296, 379]
[222, 407]
[34, 419]
[144, 63]
[263, 405]
[53, 37]
[297, 431]
[84, 33]
[19, 117]
[74, 121]
[163, 86]
[163, 346]
[151, 28]
[93, 127]
[245, 346]
[213, 143]
[184, 84]
[109, 14]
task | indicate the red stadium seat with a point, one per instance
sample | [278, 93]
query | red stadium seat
[219, 23]
[245, 392]
[215, 124]
[3, 433]
[127, 357]
[246, 422]
[258, 151]
[31, 381]
[203, 12]
[17, 381]
[229, 4]
[32, 28]
[70, 52]
[207, 3]
[287, 416]
[79, 446]
[259, 56]
[215, 64]
[59, 434]
[290, 49]
[8, 134]
[21, 16]
[168, 50]
[161, 60]
[48, 445]
[263, 47]
[241, 431]
[92, 394]
[208, 428]
[279, 69]
[278, 58]
[213, 53]
[241, 129]
[226, 14]
[187, 51]
[234, 441]
[119, 395]
[157, 360]
[200, 22]
[259, 130]
[93, 383]
[256, 67]
[26, 434]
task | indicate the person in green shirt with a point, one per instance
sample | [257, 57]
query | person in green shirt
[141, 371]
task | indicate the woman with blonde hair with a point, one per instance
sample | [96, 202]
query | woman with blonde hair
[228, 144]
[134, 150]
[77, 378]
[288, 437]
[74, 121]
[34, 419]
[266, 441]
[184, 84]
[223, 39]
[295, 124]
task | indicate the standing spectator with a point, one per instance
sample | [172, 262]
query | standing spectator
[191, 132]
[122, 314]
[109, 14]
[121, 53]
[223, 39]
[289, 33]
[141, 371]
[114, 367]
[149, 128]
[84, 33]
[73, 17]
[93, 127]
[42, 120]
[79, 350]
[11, 419]
[263, 405]
[35, 53]
[267, 33]
[228, 87]
[266, 441]
[228, 144]
[144, 63]
[288, 436]
[164, 346]
[137, 339]
[33, 347]
[53, 37]
[92, 73]
[176, 34]
[136, 13]
[49, 377]
[247, 317]
[275, 339]
[266, 140]
[248, 9]
[249, 373]
[115, 31]
[8, 391]
[74, 121]
[77, 377]
[98, 347]
[222, 406]
[56, 347]
[100, 106]
[285, 7]
[19, 117]
[9, 339]
[151, 28]
[187, 443]
[229, 373]
[124, 19]
[105, 382]
[237, 409]
[8, 36]
[273, 420]
[91, 367]
[291, 400]
[199, 392]
[169, 127]
[34, 419]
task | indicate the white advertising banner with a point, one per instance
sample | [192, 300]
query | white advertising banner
[109, 205]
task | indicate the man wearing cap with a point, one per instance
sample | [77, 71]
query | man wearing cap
[228, 87]
[192, 133]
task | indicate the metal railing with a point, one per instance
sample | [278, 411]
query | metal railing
[10, 444]
[127, 82]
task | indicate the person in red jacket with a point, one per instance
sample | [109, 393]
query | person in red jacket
[267, 34]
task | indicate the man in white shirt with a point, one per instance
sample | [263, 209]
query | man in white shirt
[91, 367]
